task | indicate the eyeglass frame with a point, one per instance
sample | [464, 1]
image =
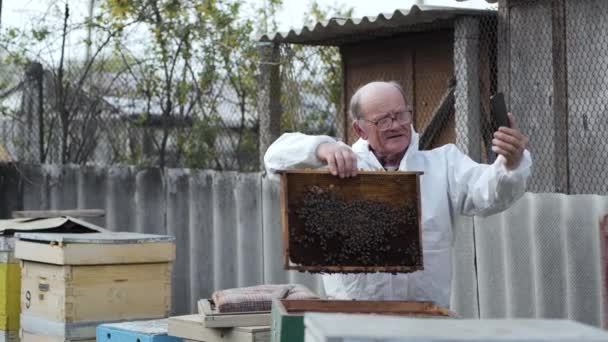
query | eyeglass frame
[393, 117]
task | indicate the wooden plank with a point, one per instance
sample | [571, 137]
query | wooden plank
[214, 319]
[393, 189]
[72, 294]
[560, 96]
[433, 70]
[191, 327]
[94, 254]
[408, 308]
[285, 220]
[440, 117]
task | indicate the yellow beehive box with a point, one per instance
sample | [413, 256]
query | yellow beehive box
[70, 283]
[10, 287]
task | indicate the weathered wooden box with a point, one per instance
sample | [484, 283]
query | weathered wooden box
[288, 315]
[192, 328]
[368, 223]
[70, 283]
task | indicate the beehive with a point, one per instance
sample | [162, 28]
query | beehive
[288, 315]
[138, 331]
[10, 271]
[324, 327]
[369, 223]
[71, 283]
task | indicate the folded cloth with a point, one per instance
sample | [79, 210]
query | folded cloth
[258, 298]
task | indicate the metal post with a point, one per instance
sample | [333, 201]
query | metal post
[560, 104]
[269, 103]
[467, 94]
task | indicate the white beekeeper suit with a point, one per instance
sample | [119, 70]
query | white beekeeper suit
[452, 183]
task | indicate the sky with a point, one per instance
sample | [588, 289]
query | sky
[18, 12]
[21, 14]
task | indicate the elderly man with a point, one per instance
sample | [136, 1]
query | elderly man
[452, 184]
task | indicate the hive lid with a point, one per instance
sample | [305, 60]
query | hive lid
[60, 224]
[97, 238]
[94, 248]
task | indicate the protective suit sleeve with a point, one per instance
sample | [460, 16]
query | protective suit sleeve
[293, 151]
[484, 189]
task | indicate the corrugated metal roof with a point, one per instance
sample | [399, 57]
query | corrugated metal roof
[340, 31]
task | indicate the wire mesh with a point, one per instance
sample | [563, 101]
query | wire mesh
[311, 87]
[107, 112]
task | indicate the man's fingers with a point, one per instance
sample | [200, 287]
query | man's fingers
[512, 121]
[348, 163]
[505, 146]
[339, 164]
[513, 139]
[331, 162]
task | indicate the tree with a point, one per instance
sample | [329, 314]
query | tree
[313, 79]
[64, 122]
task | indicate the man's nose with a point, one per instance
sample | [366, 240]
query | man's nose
[394, 123]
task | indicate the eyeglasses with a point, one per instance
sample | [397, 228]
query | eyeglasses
[386, 122]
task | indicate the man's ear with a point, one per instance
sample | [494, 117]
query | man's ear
[359, 130]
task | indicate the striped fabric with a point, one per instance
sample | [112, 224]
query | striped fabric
[257, 298]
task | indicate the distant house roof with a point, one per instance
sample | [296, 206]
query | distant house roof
[340, 31]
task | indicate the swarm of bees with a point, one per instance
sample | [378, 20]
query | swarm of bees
[337, 232]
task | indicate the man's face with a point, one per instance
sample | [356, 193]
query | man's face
[375, 105]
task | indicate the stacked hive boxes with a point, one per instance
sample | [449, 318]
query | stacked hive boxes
[10, 272]
[71, 283]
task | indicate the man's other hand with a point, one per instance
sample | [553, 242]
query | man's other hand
[340, 158]
[510, 143]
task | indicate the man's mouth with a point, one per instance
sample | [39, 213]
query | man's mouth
[394, 135]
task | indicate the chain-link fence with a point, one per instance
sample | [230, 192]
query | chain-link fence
[311, 86]
[547, 57]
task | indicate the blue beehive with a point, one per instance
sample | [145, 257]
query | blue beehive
[140, 331]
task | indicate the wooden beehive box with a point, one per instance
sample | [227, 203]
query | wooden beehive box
[288, 315]
[70, 283]
[10, 271]
[192, 328]
[368, 223]
[326, 327]
[137, 331]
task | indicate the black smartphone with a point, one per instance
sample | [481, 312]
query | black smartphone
[499, 111]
